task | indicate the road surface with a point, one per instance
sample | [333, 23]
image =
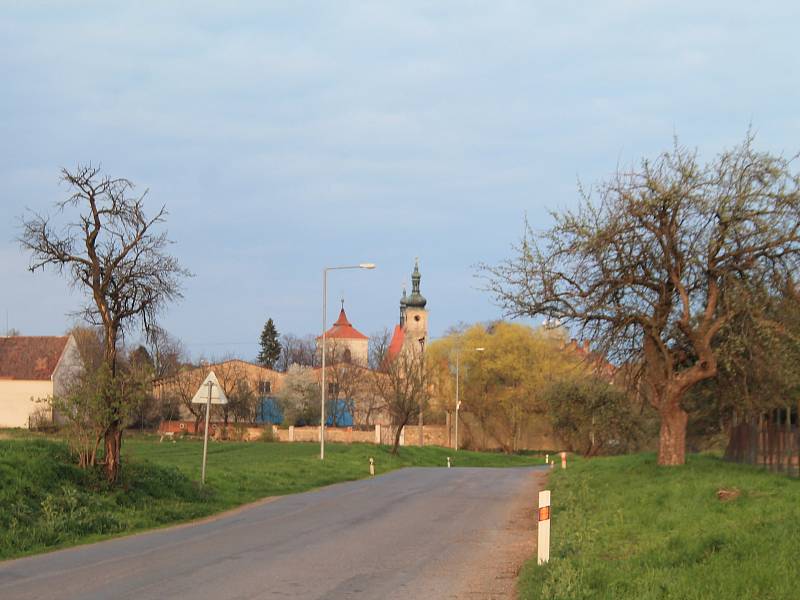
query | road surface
[416, 533]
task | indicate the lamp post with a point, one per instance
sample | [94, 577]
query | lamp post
[458, 401]
[324, 331]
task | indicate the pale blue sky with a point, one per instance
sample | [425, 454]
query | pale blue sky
[303, 134]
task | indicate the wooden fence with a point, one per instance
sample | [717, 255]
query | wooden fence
[771, 440]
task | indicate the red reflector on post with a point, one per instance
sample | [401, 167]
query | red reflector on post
[544, 513]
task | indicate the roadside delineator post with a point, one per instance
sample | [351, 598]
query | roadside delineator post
[448, 462]
[543, 542]
[371, 467]
[547, 459]
[563, 460]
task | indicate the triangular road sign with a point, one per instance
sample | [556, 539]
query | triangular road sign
[217, 395]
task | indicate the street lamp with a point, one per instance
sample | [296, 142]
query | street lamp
[324, 331]
[458, 402]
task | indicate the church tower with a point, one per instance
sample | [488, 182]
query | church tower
[415, 315]
[411, 333]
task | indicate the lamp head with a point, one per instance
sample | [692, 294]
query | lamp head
[367, 265]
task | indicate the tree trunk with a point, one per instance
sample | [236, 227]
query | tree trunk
[397, 434]
[672, 438]
[112, 438]
[113, 446]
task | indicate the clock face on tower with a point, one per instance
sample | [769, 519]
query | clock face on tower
[416, 317]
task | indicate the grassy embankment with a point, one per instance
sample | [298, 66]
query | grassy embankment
[46, 502]
[623, 528]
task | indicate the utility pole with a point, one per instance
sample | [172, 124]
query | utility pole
[458, 399]
[323, 391]
[421, 364]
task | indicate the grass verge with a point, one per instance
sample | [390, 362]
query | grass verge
[623, 527]
[49, 503]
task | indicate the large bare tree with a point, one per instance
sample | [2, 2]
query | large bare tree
[118, 256]
[654, 266]
[402, 382]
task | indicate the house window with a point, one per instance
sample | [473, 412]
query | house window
[264, 387]
[347, 356]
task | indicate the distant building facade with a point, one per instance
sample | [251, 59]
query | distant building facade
[264, 384]
[34, 369]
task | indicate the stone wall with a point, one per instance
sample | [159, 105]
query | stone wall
[472, 436]
[434, 435]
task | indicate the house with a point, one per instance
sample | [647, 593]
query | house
[32, 371]
[262, 382]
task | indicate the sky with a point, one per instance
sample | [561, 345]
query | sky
[285, 137]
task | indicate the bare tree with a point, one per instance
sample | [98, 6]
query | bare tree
[180, 389]
[232, 379]
[347, 383]
[168, 353]
[378, 348]
[297, 351]
[113, 252]
[402, 383]
[655, 269]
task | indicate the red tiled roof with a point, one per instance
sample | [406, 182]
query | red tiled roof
[398, 337]
[342, 329]
[30, 358]
[597, 360]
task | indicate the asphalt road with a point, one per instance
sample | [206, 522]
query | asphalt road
[411, 534]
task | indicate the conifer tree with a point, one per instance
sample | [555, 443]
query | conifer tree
[270, 345]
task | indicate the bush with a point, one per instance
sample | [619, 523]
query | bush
[594, 417]
[267, 435]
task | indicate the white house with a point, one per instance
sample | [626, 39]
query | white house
[33, 370]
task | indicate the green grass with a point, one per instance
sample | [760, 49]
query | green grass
[623, 527]
[47, 502]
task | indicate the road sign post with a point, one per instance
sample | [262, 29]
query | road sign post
[210, 386]
[543, 543]
[214, 395]
[563, 460]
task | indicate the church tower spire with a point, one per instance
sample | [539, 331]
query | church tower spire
[415, 323]
[416, 299]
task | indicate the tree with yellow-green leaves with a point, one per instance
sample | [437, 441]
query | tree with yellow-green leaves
[502, 387]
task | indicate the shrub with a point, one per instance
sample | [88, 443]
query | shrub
[267, 435]
[594, 417]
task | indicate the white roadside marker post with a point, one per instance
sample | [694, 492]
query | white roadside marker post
[448, 462]
[543, 542]
[563, 460]
[371, 467]
[547, 459]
